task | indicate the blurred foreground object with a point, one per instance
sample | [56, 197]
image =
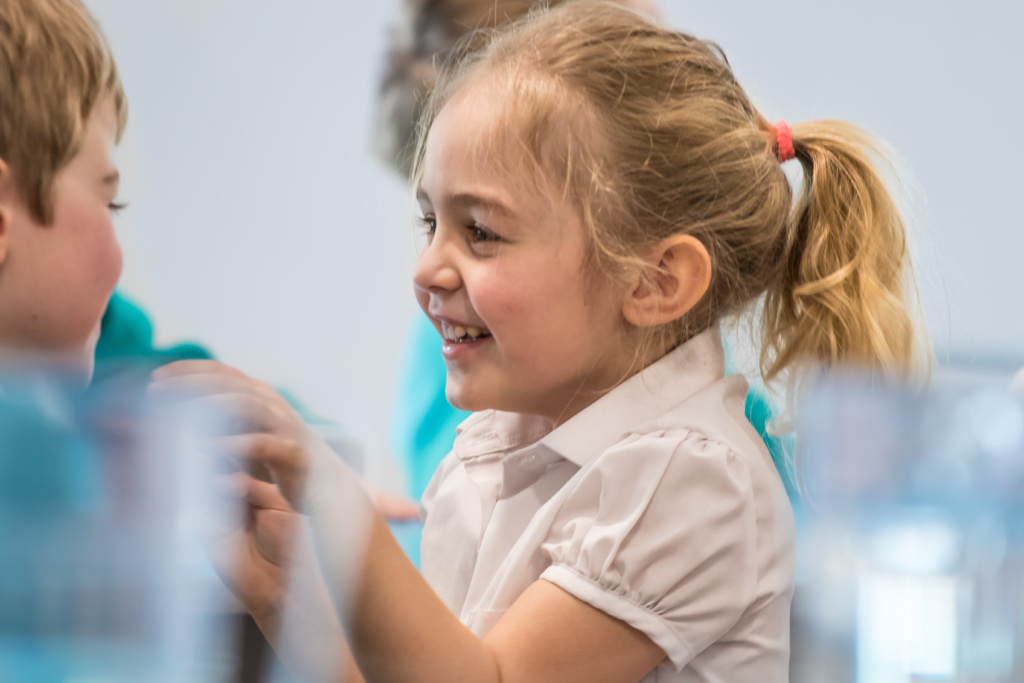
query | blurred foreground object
[1017, 385]
[915, 544]
[103, 497]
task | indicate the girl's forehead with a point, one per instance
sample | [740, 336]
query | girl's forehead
[497, 129]
[479, 115]
[471, 134]
[476, 147]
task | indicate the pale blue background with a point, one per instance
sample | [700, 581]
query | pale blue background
[260, 224]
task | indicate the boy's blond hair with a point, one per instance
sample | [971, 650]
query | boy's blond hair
[55, 65]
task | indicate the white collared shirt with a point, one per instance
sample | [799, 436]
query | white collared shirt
[658, 504]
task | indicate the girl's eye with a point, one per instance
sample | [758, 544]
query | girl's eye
[482, 234]
[429, 224]
[117, 207]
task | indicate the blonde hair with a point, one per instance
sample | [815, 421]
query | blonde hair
[55, 66]
[651, 135]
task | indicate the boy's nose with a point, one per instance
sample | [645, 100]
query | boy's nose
[435, 270]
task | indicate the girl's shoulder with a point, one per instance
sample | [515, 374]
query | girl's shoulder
[682, 524]
[709, 423]
[703, 445]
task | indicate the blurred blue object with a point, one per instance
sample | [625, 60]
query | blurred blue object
[102, 499]
[46, 466]
[914, 546]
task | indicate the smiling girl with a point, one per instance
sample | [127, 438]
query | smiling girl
[597, 192]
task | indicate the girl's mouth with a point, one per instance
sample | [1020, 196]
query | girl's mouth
[460, 334]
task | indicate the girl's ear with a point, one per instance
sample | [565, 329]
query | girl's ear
[681, 276]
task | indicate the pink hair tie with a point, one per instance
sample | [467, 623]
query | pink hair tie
[783, 141]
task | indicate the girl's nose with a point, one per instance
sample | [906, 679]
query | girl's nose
[435, 270]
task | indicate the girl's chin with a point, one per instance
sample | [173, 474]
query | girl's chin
[463, 396]
[458, 402]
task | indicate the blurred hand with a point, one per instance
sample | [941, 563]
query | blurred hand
[253, 556]
[258, 430]
[261, 443]
[261, 428]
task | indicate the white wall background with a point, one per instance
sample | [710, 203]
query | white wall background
[258, 222]
[260, 225]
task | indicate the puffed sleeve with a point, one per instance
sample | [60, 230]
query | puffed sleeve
[660, 532]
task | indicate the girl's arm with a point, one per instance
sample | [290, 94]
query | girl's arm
[398, 629]
[403, 632]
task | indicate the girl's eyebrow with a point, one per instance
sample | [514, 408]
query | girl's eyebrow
[471, 200]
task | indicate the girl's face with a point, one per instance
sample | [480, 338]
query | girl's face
[527, 326]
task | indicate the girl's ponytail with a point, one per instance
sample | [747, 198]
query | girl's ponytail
[840, 291]
[654, 137]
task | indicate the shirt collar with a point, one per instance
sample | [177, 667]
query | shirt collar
[495, 433]
[650, 393]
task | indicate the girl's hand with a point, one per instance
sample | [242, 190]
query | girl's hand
[261, 429]
[253, 556]
[252, 551]
[267, 557]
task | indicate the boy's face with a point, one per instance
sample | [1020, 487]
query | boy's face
[55, 280]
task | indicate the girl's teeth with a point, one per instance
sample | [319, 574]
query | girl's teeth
[460, 333]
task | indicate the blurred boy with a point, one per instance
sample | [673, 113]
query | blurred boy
[62, 112]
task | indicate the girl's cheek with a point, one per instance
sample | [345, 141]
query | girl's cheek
[496, 299]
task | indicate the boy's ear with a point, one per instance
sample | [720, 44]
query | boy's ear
[682, 274]
[7, 195]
